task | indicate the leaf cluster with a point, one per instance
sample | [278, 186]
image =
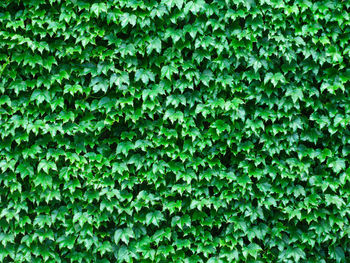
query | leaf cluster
[174, 131]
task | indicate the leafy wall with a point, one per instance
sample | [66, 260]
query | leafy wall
[174, 131]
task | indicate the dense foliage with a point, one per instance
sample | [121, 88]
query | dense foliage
[174, 131]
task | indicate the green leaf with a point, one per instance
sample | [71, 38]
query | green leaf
[168, 71]
[339, 254]
[337, 165]
[336, 200]
[295, 253]
[25, 169]
[127, 18]
[154, 44]
[124, 235]
[122, 254]
[221, 126]
[98, 8]
[45, 165]
[154, 218]
[295, 93]
[252, 249]
[144, 75]
[5, 100]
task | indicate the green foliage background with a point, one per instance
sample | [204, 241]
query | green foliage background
[174, 131]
